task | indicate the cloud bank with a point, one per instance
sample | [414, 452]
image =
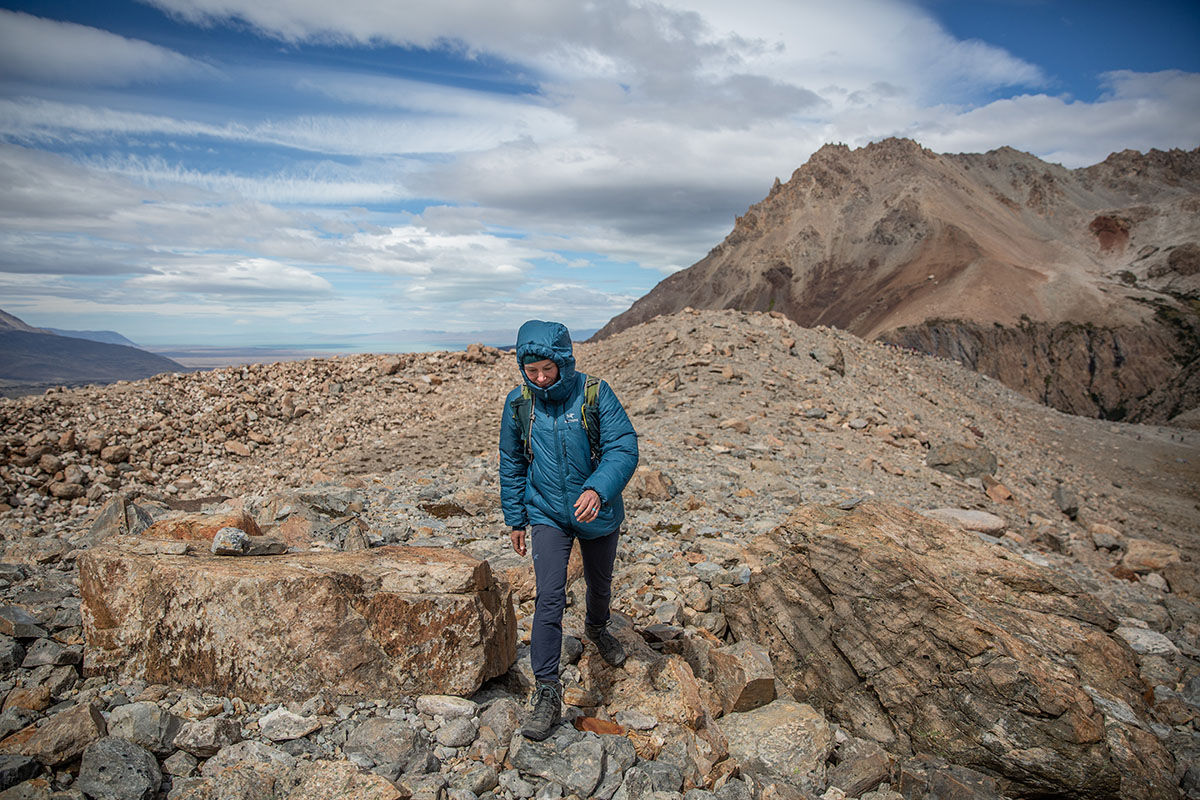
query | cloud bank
[561, 157]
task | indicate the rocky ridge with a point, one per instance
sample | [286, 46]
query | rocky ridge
[1075, 287]
[754, 432]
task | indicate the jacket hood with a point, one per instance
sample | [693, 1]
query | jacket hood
[549, 340]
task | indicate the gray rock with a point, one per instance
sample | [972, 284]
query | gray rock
[830, 356]
[1067, 501]
[247, 752]
[458, 732]
[930, 776]
[477, 779]
[962, 460]
[862, 765]
[13, 573]
[15, 769]
[816, 413]
[116, 769]
[648, 777]
[388, 741]
[572, 649]
[970, 520]
[512, 782]
[502, 717]
[282, 725]
[783, 741]
[858, 423]
[20, 624]
[636, 720]
[180, 764]
[619, 756]
[205, 737]
[422, 787]
[12, 653]
[446, 706]
[14, 719]
[230, 542]
[1147, 642]
[147, 725]
[43, 652]
[60, 680]
[569, 758]
[739, 790]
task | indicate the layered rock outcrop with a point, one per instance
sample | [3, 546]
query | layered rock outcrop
[385, 622]
[928, 639]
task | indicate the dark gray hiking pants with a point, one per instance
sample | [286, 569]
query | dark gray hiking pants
[551, 551]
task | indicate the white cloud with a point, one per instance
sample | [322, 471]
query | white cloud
[648, 127]
[48, 51]
[1139, 111]
[52, 122]
[212, 276]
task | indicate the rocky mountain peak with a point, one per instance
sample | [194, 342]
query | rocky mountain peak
[893, 240]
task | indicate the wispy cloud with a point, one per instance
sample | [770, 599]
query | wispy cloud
[211, 276]
[623, 135]
[42, 50]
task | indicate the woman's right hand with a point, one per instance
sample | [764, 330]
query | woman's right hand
[518, 540]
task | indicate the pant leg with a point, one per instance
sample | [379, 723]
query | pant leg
[551, 551]
[598, 557]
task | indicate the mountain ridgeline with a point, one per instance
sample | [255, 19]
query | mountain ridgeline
[1079, 288]
[33, 358]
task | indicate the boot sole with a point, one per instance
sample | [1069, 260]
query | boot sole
[539, 735]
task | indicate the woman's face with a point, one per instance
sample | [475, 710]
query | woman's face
[542, 373]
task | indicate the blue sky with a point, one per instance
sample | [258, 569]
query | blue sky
[265, 172]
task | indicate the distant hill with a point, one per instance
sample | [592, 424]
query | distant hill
[108, 337]
[31, 355]
[1079, 288]
[10, 323]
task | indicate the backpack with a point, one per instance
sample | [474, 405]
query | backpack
[589, 413]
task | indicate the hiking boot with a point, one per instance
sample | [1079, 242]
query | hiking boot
[610, 649]
[547, 705]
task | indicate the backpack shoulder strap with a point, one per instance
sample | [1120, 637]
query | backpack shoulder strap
[523, 417]
[591, 415]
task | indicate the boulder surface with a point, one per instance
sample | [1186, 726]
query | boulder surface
[385, 622]
[909, 633]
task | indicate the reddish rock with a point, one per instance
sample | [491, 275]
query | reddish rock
[386, 622]
[237, 448]
[651, 484]
[61, 738]
[50, 464]
[66, 491]
[36, 698]
[115, 454]
[742, 676]
[201, 527]
[1145, 555]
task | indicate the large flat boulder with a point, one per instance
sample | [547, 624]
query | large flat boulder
[374, 623]
[906, 632]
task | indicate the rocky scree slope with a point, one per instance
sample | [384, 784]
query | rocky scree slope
[1077, 288]
[776, 461]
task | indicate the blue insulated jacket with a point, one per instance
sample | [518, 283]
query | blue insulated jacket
[543, 491]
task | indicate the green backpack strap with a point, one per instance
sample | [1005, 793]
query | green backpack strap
[523, 417]
[591, 415]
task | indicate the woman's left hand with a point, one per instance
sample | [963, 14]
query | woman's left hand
[587, 507]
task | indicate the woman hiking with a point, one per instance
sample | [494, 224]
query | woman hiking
[566, 484]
